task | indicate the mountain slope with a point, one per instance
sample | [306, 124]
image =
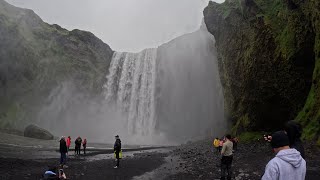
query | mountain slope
[37, 58]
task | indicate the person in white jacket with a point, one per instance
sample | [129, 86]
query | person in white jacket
[287, 164]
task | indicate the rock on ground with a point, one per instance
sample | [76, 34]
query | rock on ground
[34, 131]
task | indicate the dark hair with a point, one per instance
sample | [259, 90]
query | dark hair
[228, 136]
[294, 131]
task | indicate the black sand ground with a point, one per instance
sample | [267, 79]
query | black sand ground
[18, 169]
[197, 160]
[201, 161]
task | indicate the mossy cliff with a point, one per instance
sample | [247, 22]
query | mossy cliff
[268, 56]
[36, 58]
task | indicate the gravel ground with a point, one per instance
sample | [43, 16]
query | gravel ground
[200, 161]
[196, 160]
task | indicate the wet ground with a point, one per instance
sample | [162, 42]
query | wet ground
[27, 158]
[21, 159]
[200, 161]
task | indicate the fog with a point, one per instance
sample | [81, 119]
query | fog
[171, 94]
[126, 25]
[190, 98]
[164, 95]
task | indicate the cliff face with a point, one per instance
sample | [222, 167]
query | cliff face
[37, 58]
[268, 53]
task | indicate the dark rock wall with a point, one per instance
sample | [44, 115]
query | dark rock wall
[36, 57]
[266, 54]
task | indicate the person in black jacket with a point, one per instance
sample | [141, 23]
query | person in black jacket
[63, 150]
[294, 132]
[78, 142]
[117, 149]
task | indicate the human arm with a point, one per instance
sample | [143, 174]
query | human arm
[271, 172]
[223, 150]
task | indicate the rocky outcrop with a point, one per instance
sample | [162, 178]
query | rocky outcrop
[267, 51]
[36, 132]
[36, 58]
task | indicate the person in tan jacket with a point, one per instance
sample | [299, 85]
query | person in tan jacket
[227, 157]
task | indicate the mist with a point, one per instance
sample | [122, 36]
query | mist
[126, 25]
[168, 93]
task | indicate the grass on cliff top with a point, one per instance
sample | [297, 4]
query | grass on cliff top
[250, 136]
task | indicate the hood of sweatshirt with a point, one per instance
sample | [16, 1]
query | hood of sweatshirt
[291, 156]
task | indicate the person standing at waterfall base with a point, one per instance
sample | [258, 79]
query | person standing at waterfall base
[220, 144]
[227, 157]
[68, 143]
[117, 150]
[78, 143]
[84, 145]
[63, 151]
[288, 163]
[216, 143]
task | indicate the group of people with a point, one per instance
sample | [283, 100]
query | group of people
[65, 147]
[66, 143]
[218, 143]
[288, 162]
[77, 147]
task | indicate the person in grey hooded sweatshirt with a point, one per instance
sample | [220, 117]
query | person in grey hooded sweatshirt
[288, 163]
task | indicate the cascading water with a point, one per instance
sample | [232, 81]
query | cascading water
[131, 86]
[173, 90]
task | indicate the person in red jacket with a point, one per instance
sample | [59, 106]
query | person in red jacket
[84, 144]
[68, 142]
[221, 144]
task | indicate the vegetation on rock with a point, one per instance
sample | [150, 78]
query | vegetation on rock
[36, 58]
[268, 55]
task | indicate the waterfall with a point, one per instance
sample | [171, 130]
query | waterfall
[173, 91]
[131, 86]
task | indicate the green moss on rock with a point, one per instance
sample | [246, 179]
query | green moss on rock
[267, 55]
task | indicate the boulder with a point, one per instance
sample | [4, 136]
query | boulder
[36, 132]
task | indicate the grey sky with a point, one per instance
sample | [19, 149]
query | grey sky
[126, 25]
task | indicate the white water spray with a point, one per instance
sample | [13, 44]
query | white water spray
[131, 85]
[173, 90]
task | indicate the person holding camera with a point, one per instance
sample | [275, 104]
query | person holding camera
[288, 162]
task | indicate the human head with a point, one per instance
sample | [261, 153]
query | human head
[279, 141]
[293, 130]
[62, 138]
[117, 136]
[69, 137]
[228, 136]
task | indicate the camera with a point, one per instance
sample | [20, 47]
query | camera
[267, 137]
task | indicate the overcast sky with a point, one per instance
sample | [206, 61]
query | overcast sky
[126, 25]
